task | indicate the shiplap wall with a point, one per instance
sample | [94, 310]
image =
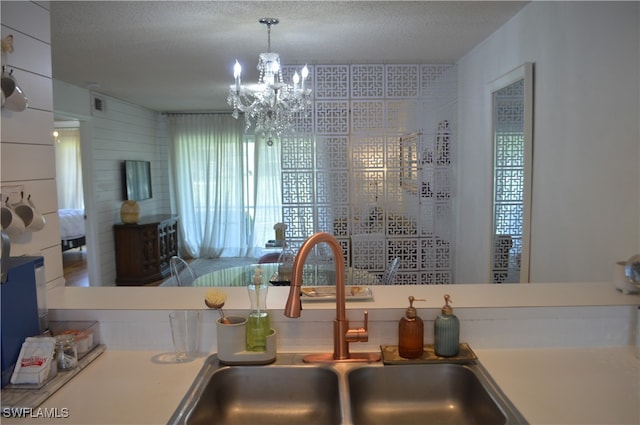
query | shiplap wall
[124, 131]
[26, 147]
[121, 131]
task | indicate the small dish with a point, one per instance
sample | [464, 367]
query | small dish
[328, 293]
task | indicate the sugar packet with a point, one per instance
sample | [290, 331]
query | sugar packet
[34, 361]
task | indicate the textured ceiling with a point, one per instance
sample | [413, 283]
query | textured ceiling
[179, 55]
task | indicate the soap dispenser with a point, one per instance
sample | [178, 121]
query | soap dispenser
[411, 333]
[258, 323]
[447, 331]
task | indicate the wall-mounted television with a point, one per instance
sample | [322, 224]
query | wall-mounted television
[136, 180]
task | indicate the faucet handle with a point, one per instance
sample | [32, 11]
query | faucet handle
[359, 334]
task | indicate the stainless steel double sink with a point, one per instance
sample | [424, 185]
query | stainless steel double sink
[291, 392]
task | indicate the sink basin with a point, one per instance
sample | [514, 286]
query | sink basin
[419, 394]
[292, 392]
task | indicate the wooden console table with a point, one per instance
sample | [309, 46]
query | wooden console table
[143, 249]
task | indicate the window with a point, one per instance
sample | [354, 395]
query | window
[226, 186]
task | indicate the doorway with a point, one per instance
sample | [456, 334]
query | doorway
[71, 207]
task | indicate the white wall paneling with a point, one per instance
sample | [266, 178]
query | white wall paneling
[27, 162]
[27, 153]
[29, 54]
[29, 18]
[123, 131]
[30, 126]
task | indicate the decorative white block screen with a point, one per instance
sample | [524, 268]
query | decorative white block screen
[509, 169]
[372, 165]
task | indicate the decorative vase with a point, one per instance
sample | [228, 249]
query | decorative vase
[129, 212]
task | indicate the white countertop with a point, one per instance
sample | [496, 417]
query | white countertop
[548, 386]
[569, 386]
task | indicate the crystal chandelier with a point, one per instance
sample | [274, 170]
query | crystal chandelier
[270, 104]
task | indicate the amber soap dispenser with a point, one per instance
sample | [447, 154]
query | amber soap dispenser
[411, 333]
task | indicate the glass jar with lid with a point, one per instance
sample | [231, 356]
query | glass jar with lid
[66, 352]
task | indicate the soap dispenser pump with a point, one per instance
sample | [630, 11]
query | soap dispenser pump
[447, 331]
[258, 322]
[411, 333]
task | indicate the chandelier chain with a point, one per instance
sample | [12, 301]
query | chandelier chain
[268, 38]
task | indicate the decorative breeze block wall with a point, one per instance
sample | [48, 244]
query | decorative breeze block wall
[372, 165]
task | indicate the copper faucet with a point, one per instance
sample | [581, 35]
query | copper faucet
[342, 335]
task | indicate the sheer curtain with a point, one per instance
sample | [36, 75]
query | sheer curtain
[69, 169]
[210, 163]
[267, 194]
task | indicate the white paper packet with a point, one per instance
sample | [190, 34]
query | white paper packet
[34, 361]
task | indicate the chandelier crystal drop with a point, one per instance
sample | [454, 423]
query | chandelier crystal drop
[269, 105]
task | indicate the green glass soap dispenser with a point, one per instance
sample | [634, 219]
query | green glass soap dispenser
[411, 333]
[258, 322]
[447, 331]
